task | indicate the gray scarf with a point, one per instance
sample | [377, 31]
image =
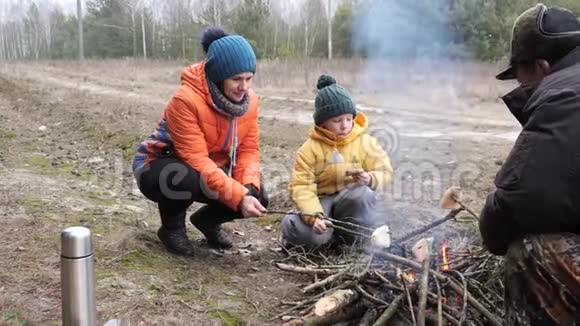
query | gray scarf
[226, 107]
[233, 111]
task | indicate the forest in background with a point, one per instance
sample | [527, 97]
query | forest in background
[291, 29]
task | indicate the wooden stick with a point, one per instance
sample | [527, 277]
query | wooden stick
[423, 288]
[354, 225]
[449, 216]
[280, 212]
[298, 306]
[369, 297]
[387, 283]
[335, 301]
[450, 318]
[444, 279]
[430, 318]
[446, 312]
[338, 227]
[439, 303]
[352, 311]
[468, 210]
[369, 317]
[325, 281]
[303, 270]
[390, 311]
[409, 301]
[464, 307]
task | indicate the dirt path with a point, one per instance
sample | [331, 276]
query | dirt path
[76, 171]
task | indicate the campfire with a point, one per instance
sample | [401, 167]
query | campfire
[435, 282]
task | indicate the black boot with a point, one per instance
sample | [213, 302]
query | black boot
[211, 228]
[175, 241]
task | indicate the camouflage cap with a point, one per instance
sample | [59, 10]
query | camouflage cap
[541, 32]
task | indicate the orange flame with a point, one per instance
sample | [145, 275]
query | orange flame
[445, 266]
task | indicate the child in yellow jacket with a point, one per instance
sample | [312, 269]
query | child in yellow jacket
[338, 170]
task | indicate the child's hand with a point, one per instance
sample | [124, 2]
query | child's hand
[319, 226]
[362, 178]
[353, 172]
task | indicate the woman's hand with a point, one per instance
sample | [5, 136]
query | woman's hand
[319, 226]
[251, 207]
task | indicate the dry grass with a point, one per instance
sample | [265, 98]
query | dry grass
[462, 79]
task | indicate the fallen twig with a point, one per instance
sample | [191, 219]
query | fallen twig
[347, 230]
[253, 304]
[390, 311]
[298, 306]
[409, 301]
[423, 289]
[332, 278]
[354, 225]
[352, 311]
[370, 297]
[465, 294]
[446, 312]
[439, 303]
[303, 270]
[369, 317]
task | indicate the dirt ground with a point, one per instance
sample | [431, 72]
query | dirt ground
[68, 132]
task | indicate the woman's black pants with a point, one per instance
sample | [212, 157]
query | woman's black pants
[174, 186]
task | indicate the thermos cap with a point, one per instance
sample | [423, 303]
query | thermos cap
[76, 242]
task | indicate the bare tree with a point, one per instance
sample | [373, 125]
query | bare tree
[312, 13]
[80, 30]
[133, 29]
[217, 13]
[143, 34]
[329, 20]
[275, 47]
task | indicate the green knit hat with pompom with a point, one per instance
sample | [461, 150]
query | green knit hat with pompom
[332, 100]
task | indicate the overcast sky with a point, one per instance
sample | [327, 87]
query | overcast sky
[68, 5]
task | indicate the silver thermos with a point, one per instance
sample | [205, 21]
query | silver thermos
[77, 276]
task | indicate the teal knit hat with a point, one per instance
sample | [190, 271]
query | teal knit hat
[227, 55]
[332, 100]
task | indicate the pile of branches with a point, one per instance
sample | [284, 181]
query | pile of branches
[379, 287]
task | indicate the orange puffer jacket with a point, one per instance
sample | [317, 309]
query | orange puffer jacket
[202, 138]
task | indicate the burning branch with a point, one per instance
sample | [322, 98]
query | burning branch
[444, 246]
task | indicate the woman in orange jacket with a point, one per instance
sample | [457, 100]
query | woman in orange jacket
[205, 148]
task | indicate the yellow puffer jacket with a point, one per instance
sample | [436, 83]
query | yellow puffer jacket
[322, 162]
